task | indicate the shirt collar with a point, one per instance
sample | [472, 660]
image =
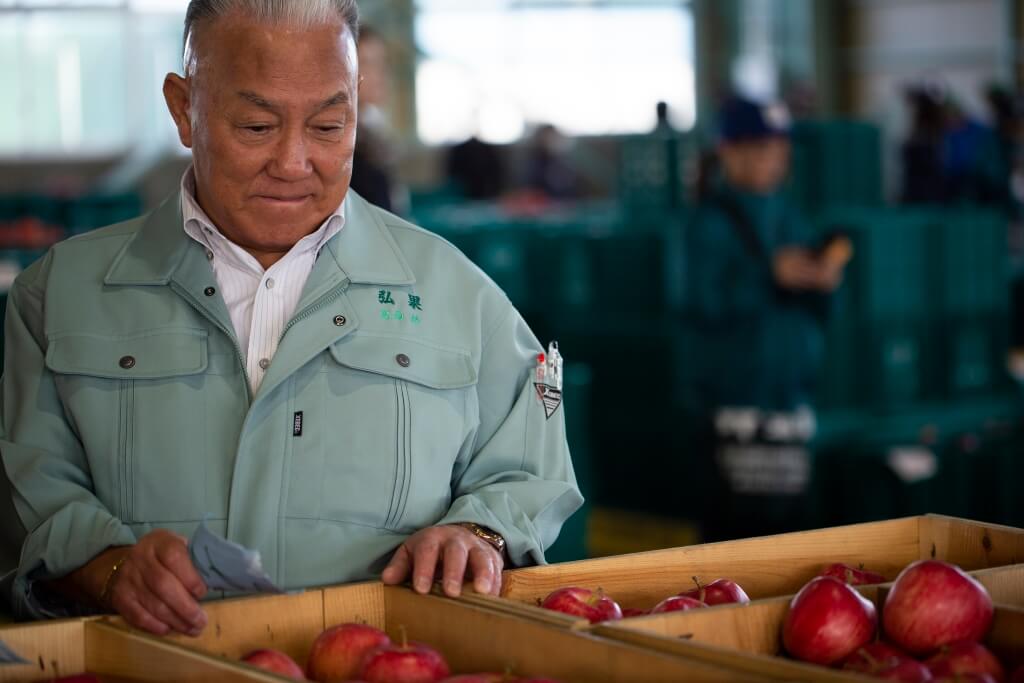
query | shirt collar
[200, 228]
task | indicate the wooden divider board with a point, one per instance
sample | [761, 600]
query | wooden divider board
[111, 650]
[766, 566]
[1004, 584]
[474, 639]
[54, 648]
[65, 648]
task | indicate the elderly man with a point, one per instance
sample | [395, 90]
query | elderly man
[315, 378]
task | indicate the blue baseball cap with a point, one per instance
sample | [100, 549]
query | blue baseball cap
[743, 120]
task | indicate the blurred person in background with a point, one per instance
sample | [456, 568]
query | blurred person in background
[548, 170]
[475, 169]
[921, 153]
[759, 287]
[373, 165]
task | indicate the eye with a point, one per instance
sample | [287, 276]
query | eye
[255, 129]
[329, 129]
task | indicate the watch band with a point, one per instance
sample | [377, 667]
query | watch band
[492, 537]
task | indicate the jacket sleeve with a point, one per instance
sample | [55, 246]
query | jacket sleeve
[59, 522]
[516, 477]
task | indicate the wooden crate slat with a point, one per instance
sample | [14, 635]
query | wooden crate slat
[766, 566]
[969, 544]
[358, 603]
[236, 627]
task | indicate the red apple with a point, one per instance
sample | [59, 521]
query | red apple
[718, 592]
[1018, 675]
[828, 621]
[407, 663]
[965, 658]
[886, 662]
[854, 577]
[932, 604]
[966, 678]
[276, 661]
[80, 678]
[338, 652]
[477, 678]
[594, 606]
[677, 603]
[628, 612]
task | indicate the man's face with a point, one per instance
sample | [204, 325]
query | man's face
[270, 116]
[757, 166]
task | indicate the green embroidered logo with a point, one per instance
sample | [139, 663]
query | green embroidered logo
[384, 296]
[415, 303]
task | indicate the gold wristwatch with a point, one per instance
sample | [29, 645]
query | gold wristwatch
[482, 532]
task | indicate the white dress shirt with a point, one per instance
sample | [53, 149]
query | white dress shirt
[260, 302]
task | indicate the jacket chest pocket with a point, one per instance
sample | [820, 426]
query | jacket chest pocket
[138, 405]
[384, 421]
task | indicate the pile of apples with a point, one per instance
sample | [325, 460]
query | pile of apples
[596, 607]
[933, 621]
[358, 653]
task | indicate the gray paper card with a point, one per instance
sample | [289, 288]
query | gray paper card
[227, 566]
[9, 656]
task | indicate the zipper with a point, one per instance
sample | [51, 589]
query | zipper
[314, 307]
[185, 294]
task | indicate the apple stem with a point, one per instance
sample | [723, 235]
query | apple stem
[405, 636]
[849, 575]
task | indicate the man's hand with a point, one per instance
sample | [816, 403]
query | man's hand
[798, 269]
[458, 549]
[156, 589]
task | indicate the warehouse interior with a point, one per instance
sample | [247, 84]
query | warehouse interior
[561, 145]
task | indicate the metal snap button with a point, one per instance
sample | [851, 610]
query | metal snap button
[209, 291]
[127, 362]
[340, 320]
[270, 283]
[264, 363]
[403, 360]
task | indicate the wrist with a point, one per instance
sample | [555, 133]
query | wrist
[489, 536]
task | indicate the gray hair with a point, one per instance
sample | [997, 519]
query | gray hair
[302, 13]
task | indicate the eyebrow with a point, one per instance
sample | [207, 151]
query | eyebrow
[340, 97]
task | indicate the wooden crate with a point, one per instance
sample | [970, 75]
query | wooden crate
[764, 567]
[64, 648]
[749, 637]
[471, 638]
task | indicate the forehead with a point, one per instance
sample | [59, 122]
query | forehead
[240, 53]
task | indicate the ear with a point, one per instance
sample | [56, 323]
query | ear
[177, 94]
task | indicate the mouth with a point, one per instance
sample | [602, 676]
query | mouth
[284, 201]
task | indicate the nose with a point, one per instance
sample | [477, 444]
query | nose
[291, 160]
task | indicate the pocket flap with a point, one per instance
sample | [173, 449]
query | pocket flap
[153, 354]
[406, 359]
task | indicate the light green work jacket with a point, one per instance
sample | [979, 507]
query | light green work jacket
[400, 397]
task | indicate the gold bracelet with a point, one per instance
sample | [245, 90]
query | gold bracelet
[109, 582]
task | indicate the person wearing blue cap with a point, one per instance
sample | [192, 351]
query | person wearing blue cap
[758, 291]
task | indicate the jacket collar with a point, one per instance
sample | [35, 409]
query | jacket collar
[364, 250]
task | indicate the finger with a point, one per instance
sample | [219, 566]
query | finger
[398, 568]
[483, 569]
[138, 616]
[499, 565]
[424, 565]
[455, 557]
[175, 559]
[166, 599]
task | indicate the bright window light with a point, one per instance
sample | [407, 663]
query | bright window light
[493, 70]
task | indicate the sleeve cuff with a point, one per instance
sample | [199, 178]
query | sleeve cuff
[57, 547]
